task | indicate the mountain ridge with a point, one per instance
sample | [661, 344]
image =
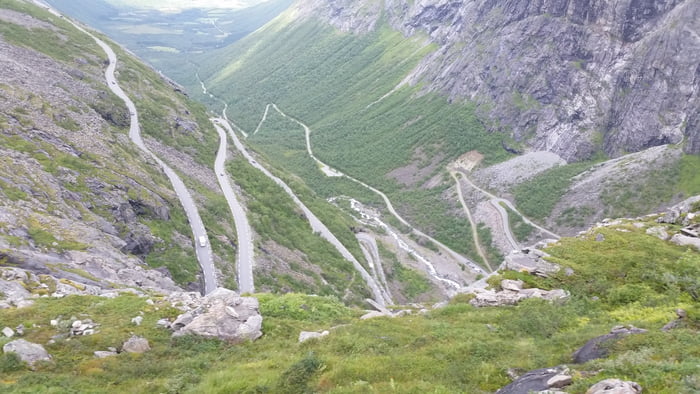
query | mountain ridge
[568, 76]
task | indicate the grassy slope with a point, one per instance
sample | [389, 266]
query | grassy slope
[274, 215]
[629, 278]
[330, 81]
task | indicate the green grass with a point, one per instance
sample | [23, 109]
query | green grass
[413, 283]
[664, 180]
[61, 42]
[629, 278]
[44, 238]
[274, 216]
[536, 198]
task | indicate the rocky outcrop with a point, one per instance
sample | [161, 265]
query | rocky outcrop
[104, 353]
[31, 353]
[598, 346]
[512, 294]
[221, 314]
[615, 386]
[539, 380]
[678, 214]
[531, 260]
[673, 324]
[19, 287]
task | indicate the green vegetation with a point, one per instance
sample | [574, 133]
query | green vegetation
[413, 283]
[274, 216]
[628, 278]
[171, 253]
[663, 181]
[536, 198]
[486, 240]
[61, 47]
[11, 192]
[343, 87]
[46, 239]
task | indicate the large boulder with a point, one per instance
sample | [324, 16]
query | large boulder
[531, 260]
[136, 344]
[28, 352]
[222, 314]
[615, 386]
[306, 335]
[539, 380]
[598, 346]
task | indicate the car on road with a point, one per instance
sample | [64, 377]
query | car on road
[202, 241]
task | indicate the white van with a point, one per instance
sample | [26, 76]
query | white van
[202, 241]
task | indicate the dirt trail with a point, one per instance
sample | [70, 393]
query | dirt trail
[475, 233]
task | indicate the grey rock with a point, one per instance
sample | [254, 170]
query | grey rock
[512, 285]
[373, 314]
[8, 332]
[530, 260]
[559, 381]
[103, 354]
[577, 68]
[137, 320]
[691, 231]
[615, 386]
[486, 298]
[28, 352]
[538, 380]
[673, 214]
[306, 335]
[222, 314]
[598, 346]
[136, 344]
[24, 303]
[163, 323]
[684, 240]
[659, 232]
[673, 324]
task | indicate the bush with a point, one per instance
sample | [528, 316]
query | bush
[296, 378]
[628, 293]
[10, 362]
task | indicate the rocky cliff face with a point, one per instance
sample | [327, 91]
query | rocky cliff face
[569, 76]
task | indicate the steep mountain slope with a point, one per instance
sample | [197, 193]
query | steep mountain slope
[568, 76]
[79, 200]
[396, 91]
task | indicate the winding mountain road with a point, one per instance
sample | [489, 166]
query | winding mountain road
[497, 201]
[390, 207]
[246, 250]
[202, 249]
[475, 233]
[369, 248]
[316, 225]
